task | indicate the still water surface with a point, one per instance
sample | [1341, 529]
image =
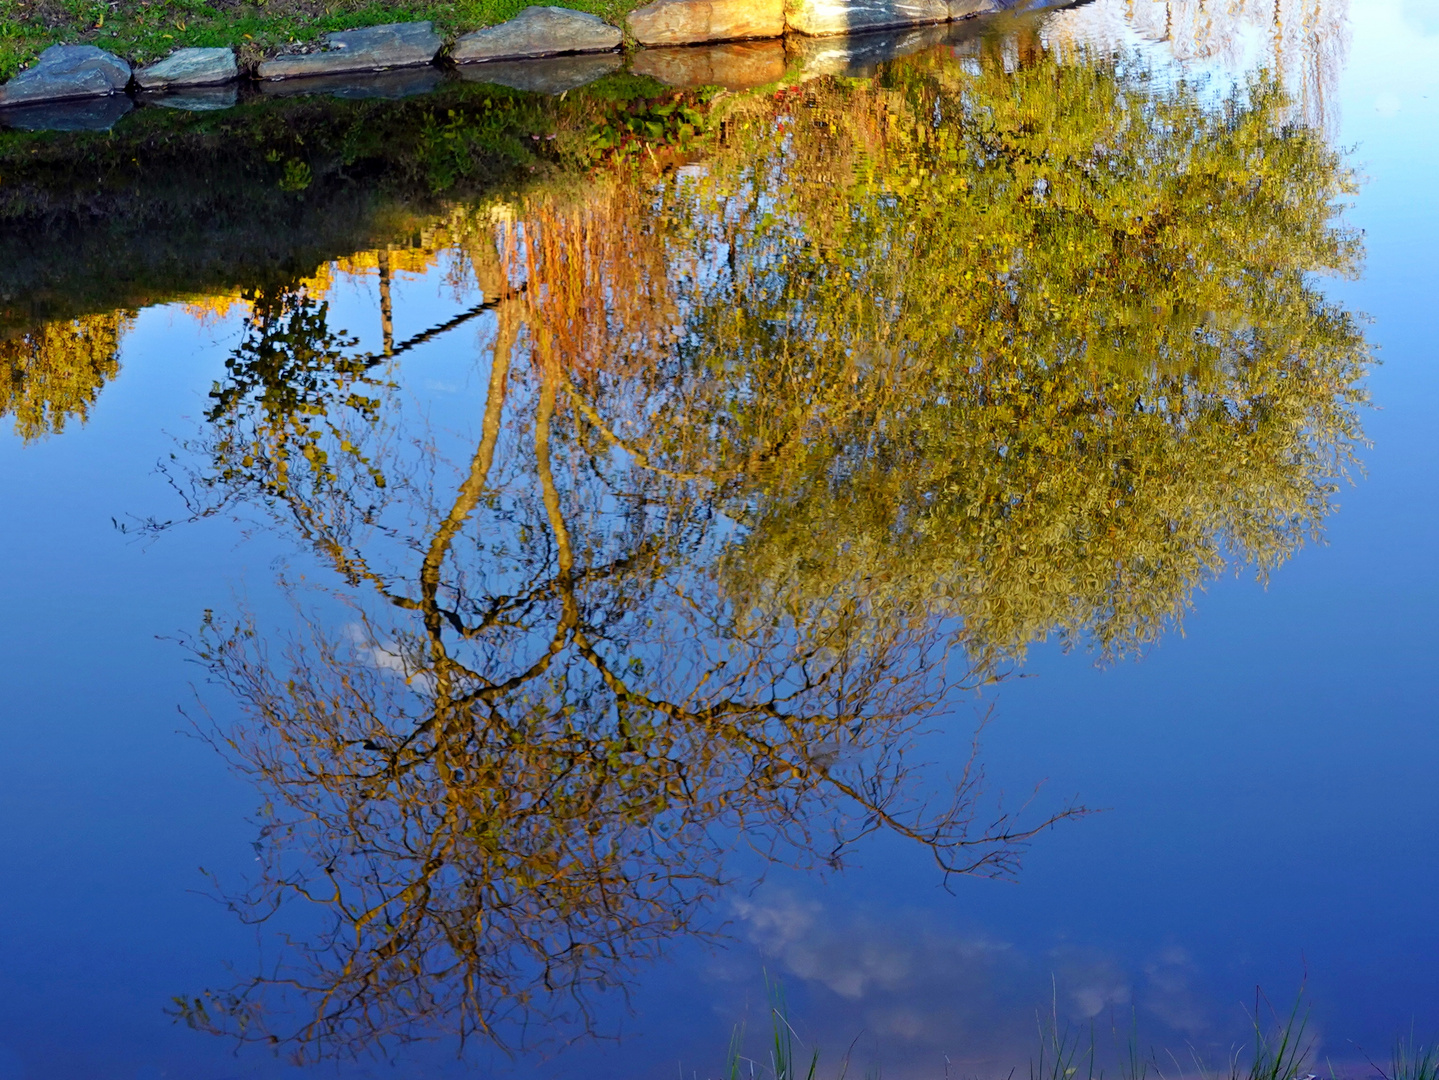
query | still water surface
[547, 598]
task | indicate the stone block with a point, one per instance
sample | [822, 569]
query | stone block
[552, 76]
[821, 18]
[189, 67]
[739, 65]
[859, 56]
[691, 22]
[537, 31]
[968, 9]
[374, 48]
[361, 85]
[67, 71]
[193, 99]
[75, 114]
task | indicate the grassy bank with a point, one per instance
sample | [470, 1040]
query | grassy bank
[145, 30]
[193, 203]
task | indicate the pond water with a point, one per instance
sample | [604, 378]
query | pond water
[505, 585]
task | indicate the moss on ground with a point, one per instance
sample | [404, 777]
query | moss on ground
[145, 30]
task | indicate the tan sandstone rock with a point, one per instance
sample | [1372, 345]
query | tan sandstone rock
[819, 18]
[859, 55]
[688, 22]
[739, 65]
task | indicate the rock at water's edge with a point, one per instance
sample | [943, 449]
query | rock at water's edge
[537, 31]
[689, 22]
[194, 98]
[373, 48]
[361, 85]
[819, 18]
[67, 71]
[75, 114]
[739, 65]
[189, 67]
[550, 76]
[967, 9]
[859, 56]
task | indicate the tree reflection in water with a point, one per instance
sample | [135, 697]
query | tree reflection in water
[55, 371]
[937, 359]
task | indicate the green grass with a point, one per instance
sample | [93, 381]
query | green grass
[145, 30]
[1411, 1061]
[784, 1063]
[1281, 1050]
[244, 198]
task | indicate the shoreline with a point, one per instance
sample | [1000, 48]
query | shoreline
[255, 31]
[78, 67]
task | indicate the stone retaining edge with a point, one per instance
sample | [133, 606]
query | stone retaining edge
[719, 28]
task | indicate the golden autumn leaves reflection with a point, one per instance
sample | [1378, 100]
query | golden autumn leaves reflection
[56, 370]
[779, 449]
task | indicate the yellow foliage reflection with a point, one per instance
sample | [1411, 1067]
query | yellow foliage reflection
[1304, 42]
[55, 372]
[777, 451]
[1050, 365]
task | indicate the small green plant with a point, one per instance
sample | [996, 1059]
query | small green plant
[1283, 1052]
[1132, 1065]
[1062, 1052]
[297, 176]
[1060, 1057]
[673, 120]
[1412, 1061]
[785, 1061]
[1281, 1049]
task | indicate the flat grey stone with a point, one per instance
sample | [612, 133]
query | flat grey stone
[553, 76]
[737, 65]
[537, 31]
[698, 22]
[194, 99]
[67, 71]
[77, 114]
[859, 56]
[189, 67]
[968, 9]
[360, 86]
[819, 18]
[373, 48]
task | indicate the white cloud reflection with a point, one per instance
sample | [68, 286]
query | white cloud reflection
[919, 993]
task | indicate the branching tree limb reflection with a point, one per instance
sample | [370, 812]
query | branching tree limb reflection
[757, 485]
[529, 782]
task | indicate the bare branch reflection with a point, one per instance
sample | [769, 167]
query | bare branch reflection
[529, 782]
[777, 454]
